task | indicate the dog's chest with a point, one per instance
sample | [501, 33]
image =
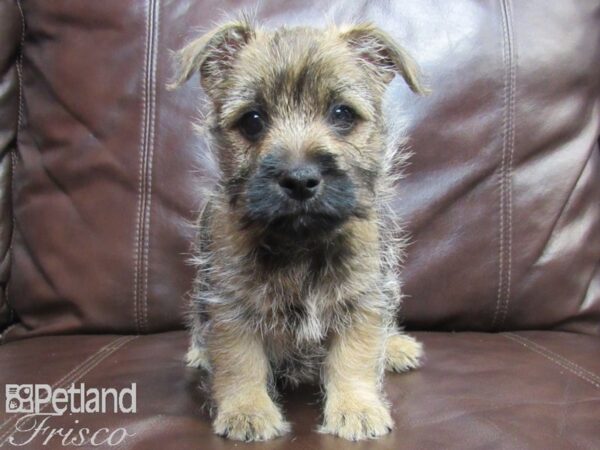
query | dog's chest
[299, 304]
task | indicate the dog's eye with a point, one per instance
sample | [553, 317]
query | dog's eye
[342, 117]
[251, 125]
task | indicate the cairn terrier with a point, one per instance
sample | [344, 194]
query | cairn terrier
[297, 252]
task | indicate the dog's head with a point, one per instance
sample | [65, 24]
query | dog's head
[297, 119]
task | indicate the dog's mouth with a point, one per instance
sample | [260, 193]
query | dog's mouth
[305, 225]
[277, 213]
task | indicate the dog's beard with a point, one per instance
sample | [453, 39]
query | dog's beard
[277, 215]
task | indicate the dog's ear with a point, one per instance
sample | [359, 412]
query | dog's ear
[213, 54]
[378, 50]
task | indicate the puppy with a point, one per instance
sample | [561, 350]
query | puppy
[297, 253]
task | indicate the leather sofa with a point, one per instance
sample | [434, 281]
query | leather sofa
[99, 170]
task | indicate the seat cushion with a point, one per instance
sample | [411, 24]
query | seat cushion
[474, 390]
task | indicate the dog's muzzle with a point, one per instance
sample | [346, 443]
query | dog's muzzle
[300, 197]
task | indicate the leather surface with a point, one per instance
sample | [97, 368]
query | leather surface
[10, 39]
[501, 197]
[88, 177]
[475, 390]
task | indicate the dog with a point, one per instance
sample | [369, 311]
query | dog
[297, 252]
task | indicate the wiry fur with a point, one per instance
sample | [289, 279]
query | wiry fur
[316, 305]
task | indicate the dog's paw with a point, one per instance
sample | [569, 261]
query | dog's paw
[402, 353]
[197, 357]
[356, 420]
[251, 423]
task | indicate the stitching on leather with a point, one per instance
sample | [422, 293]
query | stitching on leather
[74, 375]
[567, 361]
[142, 232]
[508, 134]
[152, 104]
[20, 67]
[142, 174]
[557, 359]
[136, 244]
[501, 181]
[511, 148]
[13, 156]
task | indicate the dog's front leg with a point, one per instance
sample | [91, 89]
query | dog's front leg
[245, 411]
[354, 406]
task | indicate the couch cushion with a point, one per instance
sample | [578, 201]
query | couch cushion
[475, 390]
[502, 198]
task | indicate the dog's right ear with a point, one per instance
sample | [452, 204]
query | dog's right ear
[213, 54]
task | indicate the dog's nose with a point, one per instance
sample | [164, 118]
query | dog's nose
[301, 183]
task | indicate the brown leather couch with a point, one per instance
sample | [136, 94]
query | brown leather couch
[99, 171]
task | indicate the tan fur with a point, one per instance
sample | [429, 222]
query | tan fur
[268, 303]
[354, 406]
[402, 353]
[240, 374]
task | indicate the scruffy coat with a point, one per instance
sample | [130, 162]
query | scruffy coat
[318, 298]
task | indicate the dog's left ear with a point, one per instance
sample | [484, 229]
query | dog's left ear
[378, 50]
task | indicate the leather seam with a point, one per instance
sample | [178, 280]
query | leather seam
[512, 111]
[74, 375]
[20, 70]
[508, 139]
[557, 359]
[576, 366]
[152, 132]
[141, 249]
[136, 244]
[501, 182]
[13, 160]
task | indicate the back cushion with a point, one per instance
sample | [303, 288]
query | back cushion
[502, 197]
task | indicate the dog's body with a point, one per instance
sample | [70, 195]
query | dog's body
[294, 298]
[296, 253]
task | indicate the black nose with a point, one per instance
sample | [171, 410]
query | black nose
[301, 183]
